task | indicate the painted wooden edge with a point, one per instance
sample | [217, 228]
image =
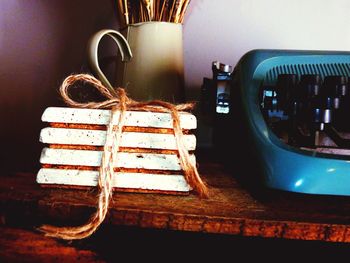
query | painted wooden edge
[102, 117]
[129, 139]
[124, 159]
[148, 181]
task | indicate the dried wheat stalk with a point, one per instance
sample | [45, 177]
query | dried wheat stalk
[131, 12]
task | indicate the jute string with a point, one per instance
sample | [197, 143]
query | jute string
[119, 102]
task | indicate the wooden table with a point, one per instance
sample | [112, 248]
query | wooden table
[233, 208]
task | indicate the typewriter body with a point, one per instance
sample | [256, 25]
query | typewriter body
[296, 107]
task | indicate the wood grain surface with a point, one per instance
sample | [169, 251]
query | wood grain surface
[232, 208]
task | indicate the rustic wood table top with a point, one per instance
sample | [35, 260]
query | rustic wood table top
[233, 208]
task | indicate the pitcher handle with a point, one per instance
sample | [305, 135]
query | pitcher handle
[93, 44]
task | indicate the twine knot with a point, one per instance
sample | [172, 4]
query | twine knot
[118, 101]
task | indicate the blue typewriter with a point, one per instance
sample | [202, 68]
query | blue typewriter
[297, 110]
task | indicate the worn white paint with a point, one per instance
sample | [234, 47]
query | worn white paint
[169, 182]
[102, 117]
[136, 140]
[124, 159]
[129, 139]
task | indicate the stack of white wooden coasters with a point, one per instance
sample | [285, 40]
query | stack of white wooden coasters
[147, 160]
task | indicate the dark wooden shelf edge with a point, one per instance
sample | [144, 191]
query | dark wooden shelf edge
[205, 224]
[233, 226]
[231, 210]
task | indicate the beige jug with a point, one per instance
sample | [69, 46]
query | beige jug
[155, 69]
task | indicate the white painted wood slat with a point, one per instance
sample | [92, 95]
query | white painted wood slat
[145, 161]
[129, 139]
[124, 159]
[102, 117]
[169, 182]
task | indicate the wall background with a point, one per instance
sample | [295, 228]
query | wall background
[42, 41]
[224, 30]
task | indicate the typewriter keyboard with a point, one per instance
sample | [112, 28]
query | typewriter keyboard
[309, 111]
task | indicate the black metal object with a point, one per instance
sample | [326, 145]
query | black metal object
[310, 112]
[216, 103]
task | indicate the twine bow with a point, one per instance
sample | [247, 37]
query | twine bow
[118, 101]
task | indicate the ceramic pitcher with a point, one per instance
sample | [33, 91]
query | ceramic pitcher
[155, 70]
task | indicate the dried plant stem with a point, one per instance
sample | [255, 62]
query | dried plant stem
[183, 10]
[171, 11]
[137, 11]
[126, 13]
[178, 11]
[121, 9]
[162, 11]
[150, 10]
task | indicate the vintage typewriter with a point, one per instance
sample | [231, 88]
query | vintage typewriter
[296, 107]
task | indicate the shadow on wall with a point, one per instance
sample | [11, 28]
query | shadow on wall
[41, 43]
